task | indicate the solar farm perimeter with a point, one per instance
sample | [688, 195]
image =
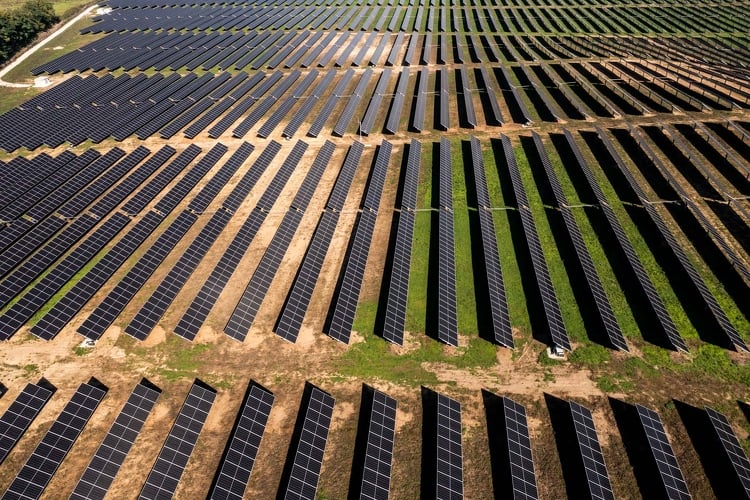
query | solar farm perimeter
[321, 248]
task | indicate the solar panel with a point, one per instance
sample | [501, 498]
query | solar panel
[341, 189]
[347, 298]
[601, 300]
[732, 447]
[307, 105]
[109, 457]
[237, 465]
[309, 449]
[369, 42]
[377, 177]
[36, 473]
[327, 109]
[247, 308]
[368, 120]
[107, 311]
[376, 476]
[653, 298]
[395, 312]
[550, 304]
[20, 312]
[209, 293]
[354, 267]
[708, 298]
[597, 478]
[421, 104]
[351, 106]
[42, 199]
[449, 480]
[19, 415]
[411, 49]
[444, 120]
[468, 100]
[495, 116]
[290, 321]
[396, 48]
[523, 478]
[447, 323]
[394, 115]
[666, 462]
[495, 286]
[165, 475]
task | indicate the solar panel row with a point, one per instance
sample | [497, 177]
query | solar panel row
[310, 447]
[653, 298]
[298, 300]
[36, 473]
[394, 115]
[731, 446]
[551, 307]
[354, 267]
[202, 304]
[236, 466]
[661, 450]
[398, 288]
[109, 457]
[597, 477]
[523, 478]
[247, 308]
[381, 433]
[601, 300]
[447, 321]
[166, 472]
[450, 468]
[497, 300]
[19, 415]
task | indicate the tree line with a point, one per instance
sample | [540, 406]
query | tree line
[20, 26]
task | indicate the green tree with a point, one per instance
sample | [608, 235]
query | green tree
[20, 26]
